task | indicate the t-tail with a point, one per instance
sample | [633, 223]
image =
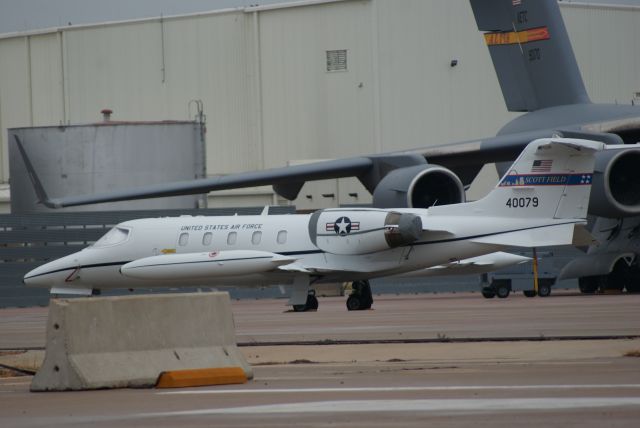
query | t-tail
[531, 53]
[540, 200]
[550, 179]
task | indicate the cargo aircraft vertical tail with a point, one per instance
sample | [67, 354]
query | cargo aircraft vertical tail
[531, 53]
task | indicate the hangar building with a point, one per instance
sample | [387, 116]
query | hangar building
[290, 83]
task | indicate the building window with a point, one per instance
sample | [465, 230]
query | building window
[337, 60]
[232, 237]
[282, 237]
[206, 239]
[256, 238]
[184, 239]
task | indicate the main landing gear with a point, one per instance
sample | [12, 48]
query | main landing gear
[361, 297]
[310, 305]
[623, 276]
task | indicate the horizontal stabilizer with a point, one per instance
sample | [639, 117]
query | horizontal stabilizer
[582, 237]
[558, 234]
[472, 266]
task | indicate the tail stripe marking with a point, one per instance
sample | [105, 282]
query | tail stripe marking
[515, 180]
[517, 37]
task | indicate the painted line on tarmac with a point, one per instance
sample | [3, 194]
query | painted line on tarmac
[400, 389]
[540, 338]
[429, 405]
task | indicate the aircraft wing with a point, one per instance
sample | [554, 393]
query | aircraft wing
[464, 158]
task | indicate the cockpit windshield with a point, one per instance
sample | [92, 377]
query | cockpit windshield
[115, 236]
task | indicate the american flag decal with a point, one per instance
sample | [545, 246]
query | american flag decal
[541, 165]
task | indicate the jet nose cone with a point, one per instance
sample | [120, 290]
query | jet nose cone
[51, 274]
[39, 277]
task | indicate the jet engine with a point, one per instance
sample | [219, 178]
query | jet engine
[419, 186]
[616, 184]
[362, 231]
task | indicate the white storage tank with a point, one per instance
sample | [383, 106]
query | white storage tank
[107, 156]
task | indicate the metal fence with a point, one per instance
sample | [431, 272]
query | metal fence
[30, 240]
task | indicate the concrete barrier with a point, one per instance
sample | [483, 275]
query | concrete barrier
[128, 341]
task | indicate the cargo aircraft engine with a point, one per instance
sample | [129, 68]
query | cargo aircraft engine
[616, 184]
[419, 186]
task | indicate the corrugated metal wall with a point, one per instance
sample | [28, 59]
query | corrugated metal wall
[267, 95]
[606, 44]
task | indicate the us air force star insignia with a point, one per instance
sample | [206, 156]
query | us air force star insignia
[342, 226]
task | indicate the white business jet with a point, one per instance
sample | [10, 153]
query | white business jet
[541, 201]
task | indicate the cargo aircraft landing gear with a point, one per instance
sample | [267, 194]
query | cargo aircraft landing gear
[361, 297]
[625, 275]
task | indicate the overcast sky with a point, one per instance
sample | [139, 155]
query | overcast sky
[23, 15]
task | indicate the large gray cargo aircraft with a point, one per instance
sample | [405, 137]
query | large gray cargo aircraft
[538, 75]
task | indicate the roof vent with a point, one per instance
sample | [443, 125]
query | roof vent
[106, 114]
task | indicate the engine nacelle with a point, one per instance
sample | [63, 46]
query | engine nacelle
[616, 184]
[419, 186]
[362, 231]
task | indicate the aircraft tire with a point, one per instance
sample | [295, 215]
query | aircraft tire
[588, 284]
[299, 308]
[361, 298]
[633, 288]
[367, 297]
[619, 277]
[354, 303]
[312, 303]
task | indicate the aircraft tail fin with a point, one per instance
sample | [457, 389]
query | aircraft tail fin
[531, 53]
[551, 179]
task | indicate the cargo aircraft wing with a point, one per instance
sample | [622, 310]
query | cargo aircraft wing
[539, 76]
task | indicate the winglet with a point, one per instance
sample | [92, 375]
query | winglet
[37, 185]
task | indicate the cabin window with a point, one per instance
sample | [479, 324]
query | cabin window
[232, 237]
[282, 237]
[206, 239]
[256, 237]
[184, 239]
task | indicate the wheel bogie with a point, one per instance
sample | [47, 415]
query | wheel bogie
[310, 305]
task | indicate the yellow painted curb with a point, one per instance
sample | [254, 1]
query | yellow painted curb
[201, 377]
